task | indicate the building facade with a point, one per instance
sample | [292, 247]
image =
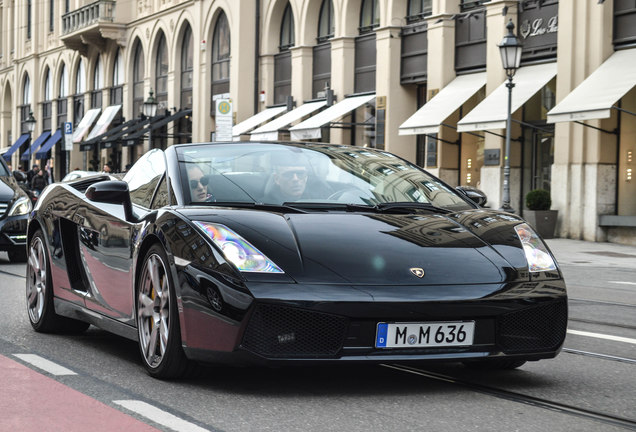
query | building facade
[420, 78]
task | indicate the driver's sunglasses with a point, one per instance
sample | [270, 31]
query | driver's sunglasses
[195, 183]
[289, 175]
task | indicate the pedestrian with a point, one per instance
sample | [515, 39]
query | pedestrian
[106, 169]
[38, 182]
[32, 172]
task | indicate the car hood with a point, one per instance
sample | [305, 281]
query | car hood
[372, 249]
[8, 189]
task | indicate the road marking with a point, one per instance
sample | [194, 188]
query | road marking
[159, 416]
[603, 336]
[44, 364]
[623, 283]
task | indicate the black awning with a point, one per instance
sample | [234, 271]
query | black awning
[156, 124]
[116, 136]
[109, 133]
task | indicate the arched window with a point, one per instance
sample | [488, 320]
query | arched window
[26, 91]
[98, 84]
[220, 60]
[326, 25]
[62, 102]
[417, 10]
[46, 103]
[369, 16]
[138, 79]
[80, 89]
[287, 29]
[282, 60]
[117, 89]
[184, 124]
[161, 77]
[322, 52]
[25, 108]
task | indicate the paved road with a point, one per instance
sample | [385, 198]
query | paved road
[591, 386]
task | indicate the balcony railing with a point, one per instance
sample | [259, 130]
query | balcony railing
[97, 12]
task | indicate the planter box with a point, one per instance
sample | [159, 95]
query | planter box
[543, 221]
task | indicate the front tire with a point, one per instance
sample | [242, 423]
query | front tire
[39, 292]
[158, 319]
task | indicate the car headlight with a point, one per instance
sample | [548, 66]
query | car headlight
[237, 250]
[20, 207]
[538, 257]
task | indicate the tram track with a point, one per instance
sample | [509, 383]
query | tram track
[604, 418]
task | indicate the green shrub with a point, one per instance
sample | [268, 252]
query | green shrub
[538, 199]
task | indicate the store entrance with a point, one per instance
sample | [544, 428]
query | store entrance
[538, 157]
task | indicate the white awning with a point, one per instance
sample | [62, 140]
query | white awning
[84, 124]
[269, 131]
[310, 128]
[595, 96]
[261, 117]
[104, 121]
[428, 119]
[491, 113]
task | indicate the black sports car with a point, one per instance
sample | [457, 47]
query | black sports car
[290, 252]
[15, 206]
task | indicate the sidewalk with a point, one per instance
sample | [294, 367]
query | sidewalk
[569, 251]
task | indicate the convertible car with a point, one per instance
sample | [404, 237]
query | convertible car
[282, 253]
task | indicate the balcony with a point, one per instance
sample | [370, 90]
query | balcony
[92, 25]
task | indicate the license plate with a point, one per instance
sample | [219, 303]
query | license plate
[430, 334]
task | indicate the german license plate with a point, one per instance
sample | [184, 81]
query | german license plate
[430, 334]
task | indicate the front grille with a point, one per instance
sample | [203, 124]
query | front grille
[3, 208]
[538, 328]
[280, 331]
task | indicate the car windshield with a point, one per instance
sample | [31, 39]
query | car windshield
[306, 174]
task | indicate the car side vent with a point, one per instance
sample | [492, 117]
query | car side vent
[540, 327]
[285, 332]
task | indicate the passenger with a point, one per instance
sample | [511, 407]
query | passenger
[198, 185]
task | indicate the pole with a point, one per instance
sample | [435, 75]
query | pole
[505, 206]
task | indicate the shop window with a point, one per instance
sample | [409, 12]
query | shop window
[413, 65]
[624, 23]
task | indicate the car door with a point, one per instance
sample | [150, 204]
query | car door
[106, 241]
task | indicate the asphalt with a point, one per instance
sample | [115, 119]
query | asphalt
[601, 254]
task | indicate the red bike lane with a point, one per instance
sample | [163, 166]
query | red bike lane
[33, 402]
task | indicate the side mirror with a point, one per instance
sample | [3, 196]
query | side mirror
[111, 192]
[474, 194]
[20, 176]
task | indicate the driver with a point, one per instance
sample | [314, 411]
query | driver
[289, 181]
[198, 183]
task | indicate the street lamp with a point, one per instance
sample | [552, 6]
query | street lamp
[510, 50]
[30, 125]
[149, 109]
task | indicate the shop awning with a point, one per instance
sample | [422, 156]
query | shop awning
[595, 96]
[119, 132]
[16, 145]
[156, 123]
[104, 121]
[36, 145]
[261, 117]
[269, 131]
[427, 120]
[53, 139]
[492, 112]
[310, 128]
[82, 128]
[110, 132]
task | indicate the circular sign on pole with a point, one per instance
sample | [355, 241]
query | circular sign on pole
[224, 121]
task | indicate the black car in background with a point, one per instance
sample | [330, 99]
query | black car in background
[291, 253]
[15, 206]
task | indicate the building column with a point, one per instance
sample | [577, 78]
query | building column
[242, 64]
[302, 73]
[400, 103]
[584, 169]
[343, 50]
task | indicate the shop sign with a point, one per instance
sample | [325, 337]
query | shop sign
[538, 27]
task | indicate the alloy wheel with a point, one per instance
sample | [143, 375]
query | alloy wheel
[36, 280]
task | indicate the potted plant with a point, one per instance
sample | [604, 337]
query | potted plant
[539, 215]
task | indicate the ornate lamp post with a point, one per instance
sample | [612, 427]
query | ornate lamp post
[149, 109]
[510, 50]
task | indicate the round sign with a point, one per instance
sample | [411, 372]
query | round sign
[224, 107]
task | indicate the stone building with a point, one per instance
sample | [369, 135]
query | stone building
[420, 78]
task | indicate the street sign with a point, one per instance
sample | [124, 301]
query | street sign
[224, 120]
[68, 136]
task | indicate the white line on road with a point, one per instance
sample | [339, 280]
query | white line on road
[623, 282]
[603, 336]
[44, 364]
[159, 416]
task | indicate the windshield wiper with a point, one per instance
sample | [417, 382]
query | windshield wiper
[254, 205]
[408, 206]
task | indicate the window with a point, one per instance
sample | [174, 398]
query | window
[138, 79]
[418, 10]
[51, 16]
[326, 26]
[98, 84]
[161, 78]
[184, 124]
[117, 90]
[144, 176]
[471, 4]
[220, 59]
[80, 89]
[29, 7]
[25, 108]
[287, 29]
[369, 16]
[62, 103]
[47, 104]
